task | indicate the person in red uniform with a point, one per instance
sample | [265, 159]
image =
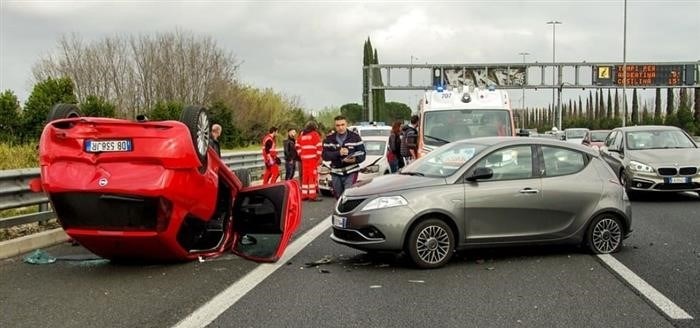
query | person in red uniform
[309, 148]
[272, 170]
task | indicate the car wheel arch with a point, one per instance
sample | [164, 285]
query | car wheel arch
[448, 219]
[626, 223]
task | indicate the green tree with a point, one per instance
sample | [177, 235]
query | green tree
[165, 110]
[685, 117]
[609, 107]
[45, 95]
[697, 110]
[635, 108]
[352, 111]
[9, 116]
[669, 101]
[97, 107]
[396, 111]
[220, 113]
[326, 118]
[658, 117]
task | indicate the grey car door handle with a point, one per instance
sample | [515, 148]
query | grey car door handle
[529, 191]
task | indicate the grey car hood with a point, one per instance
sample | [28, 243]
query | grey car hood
[671, 157]
[392, 183]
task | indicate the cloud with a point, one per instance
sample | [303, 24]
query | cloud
[313, 49]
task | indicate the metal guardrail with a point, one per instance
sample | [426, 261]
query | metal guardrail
[15, 192]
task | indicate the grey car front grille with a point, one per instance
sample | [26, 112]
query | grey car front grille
[347, 205]
[667, 171]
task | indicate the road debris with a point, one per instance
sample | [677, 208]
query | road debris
[39, 257]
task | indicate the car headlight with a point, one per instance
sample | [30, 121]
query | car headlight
[385, 202]
[640, 167]
[370, 169]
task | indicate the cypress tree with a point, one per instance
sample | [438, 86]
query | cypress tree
[635, 108]
[669, 101]
[657, 107]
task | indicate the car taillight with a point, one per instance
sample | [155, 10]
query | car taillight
[165, 208]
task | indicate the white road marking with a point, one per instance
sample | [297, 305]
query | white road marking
[211, 310]
[672, 310]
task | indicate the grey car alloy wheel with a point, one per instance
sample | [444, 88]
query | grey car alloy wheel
[431, 244]
[605, 235]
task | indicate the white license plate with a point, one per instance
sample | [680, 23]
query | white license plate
[99, 146]
[340, 221]
[677, 180]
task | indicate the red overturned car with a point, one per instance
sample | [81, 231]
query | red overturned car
[155, 190]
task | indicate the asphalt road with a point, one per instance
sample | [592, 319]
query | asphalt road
[529, 287]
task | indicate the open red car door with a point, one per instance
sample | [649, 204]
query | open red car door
[264, 219]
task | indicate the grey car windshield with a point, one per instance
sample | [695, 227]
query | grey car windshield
[375, 132]
[599, 136]
[375, 148]
[575, 133]
[658, 139]
[444, 126]
[444, 161]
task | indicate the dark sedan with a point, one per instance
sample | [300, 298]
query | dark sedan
[483, 192]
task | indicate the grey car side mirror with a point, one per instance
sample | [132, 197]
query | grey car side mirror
[481, 173]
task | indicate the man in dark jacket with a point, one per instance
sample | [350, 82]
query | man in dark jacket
[345, 150]
[409, 140]
[290, 154]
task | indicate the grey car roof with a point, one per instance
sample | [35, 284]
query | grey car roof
[505, 141]
[648, 128]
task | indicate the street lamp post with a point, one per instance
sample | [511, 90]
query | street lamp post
[522, 107]
[624, 67]
[554, 82]
[410, 71]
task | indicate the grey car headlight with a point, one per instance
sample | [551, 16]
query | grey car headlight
[370, 169]
[385, 202]
[640, 167]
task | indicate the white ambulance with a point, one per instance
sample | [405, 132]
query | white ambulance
[462, 113]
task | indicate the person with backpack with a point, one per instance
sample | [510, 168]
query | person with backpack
[409, 140]
[394, 154]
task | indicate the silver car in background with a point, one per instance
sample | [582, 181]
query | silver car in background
[653, 159]
[485, 192]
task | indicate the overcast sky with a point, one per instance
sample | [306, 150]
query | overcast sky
[313, 49]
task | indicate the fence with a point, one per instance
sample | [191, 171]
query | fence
[15, 192]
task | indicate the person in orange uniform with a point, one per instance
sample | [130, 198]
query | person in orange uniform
[309, 148]
[272, 170]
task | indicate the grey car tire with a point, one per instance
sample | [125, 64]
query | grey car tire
[60, 111]
[430, 244]
[197, 122]
[605, 234]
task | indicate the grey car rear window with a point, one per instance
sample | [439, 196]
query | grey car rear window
[562, 161]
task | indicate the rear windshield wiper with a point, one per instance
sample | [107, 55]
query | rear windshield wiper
[437, 139]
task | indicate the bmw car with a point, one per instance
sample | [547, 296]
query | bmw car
[155, 190]
[651, 159]
[485, 192]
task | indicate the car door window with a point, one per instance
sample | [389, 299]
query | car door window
[561, 161]
[617, 144]
[509, 163]
[611, 138]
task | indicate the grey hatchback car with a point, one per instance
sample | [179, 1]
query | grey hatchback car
[487, 192]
